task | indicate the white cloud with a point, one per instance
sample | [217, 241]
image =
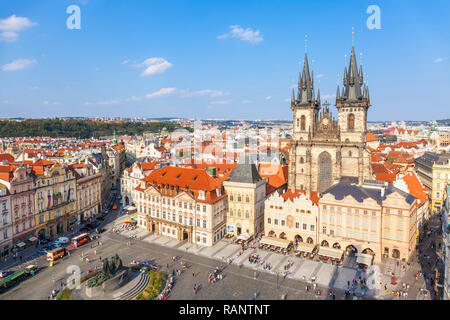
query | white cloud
[268, 97]
[160, 92]
[287, 100]
[205, 92]
[439, 60]
[18, 64]
[154, 66]
[240, 33]
[102, 103]
[320, 76]
[55, 103]
[125, 61]
[220, 102]
[246, 101]
[133, 99]
[328, 96]
[10, 27]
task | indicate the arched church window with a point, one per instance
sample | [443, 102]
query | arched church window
[298, 122]
[351, 121]
[301, 160]
[303, 122]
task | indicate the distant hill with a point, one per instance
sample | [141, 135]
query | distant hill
[78, 128]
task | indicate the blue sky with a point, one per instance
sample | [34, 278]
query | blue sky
[183, 59]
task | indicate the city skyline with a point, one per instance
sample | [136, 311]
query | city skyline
[227, 61]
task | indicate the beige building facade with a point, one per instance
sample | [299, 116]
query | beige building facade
[292, 216]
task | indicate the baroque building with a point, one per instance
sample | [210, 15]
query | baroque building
[325, 149]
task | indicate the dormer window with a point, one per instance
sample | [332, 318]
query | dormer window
[201, 195]
[219, 193]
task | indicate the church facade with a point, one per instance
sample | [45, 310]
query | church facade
[326, 150]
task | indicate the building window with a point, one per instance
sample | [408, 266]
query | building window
[303, 123]
[204, 224]
[276, 222]
[399, 223]
[386, 235]
[324, 229]
[269, 221]
[351, 121]
[297, 225]
[247, 214]
[312, 227]
[282, 223]
[305, 226]
[399, 236]
[247, 199]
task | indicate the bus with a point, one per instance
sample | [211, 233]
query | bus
[18, 276]
[80, 240]
[56, 254]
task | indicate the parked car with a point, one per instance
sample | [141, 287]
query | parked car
[101, 218]
[63, 240]
[94, 224]
[4, 273]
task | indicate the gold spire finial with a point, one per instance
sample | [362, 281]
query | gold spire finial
[306, 43]
[353, 36]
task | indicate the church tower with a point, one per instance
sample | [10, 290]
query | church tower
[305, 109]
[353, 103]
[325, 151]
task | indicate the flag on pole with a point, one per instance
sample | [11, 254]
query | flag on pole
[49, 197]
[68, 195]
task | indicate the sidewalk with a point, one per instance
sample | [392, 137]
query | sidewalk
[31, 252]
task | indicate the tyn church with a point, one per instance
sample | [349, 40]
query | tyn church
[325, 151]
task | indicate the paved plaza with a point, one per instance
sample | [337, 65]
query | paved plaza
[242, 279]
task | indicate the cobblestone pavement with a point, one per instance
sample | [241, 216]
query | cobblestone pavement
[238, 282]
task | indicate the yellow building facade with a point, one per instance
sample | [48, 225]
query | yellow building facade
[55, 201]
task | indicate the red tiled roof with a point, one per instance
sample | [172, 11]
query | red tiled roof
[370, 137]
[313, 195]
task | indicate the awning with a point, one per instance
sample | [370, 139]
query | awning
[364, 259]
[244, 236]
[282, 243]
[20, 244]
[305, 247]
[32, 239]
[331, 252]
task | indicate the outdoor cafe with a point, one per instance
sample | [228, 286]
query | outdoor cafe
[243, 239]
[305, 250]
[274, 244]
[364, 260]
[332, 254]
